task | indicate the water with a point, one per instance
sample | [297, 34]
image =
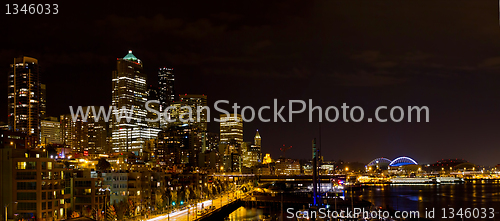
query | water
[422, 198]
[246, 213]
[472, 194]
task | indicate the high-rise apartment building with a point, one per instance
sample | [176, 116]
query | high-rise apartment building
[33, 186]
[130, 134]
[24, 98]
[74, 134]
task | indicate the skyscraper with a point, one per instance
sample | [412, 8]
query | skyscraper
[231, 129]
[251, 154]
[231, 139]
[196, 101]
[130, 92]
[152, 115]
[195, 131]
[74, 134]
[43, 101]
[24, 98]
[166, 93]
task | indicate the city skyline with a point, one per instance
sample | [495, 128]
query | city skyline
[260, 110]
[457, 83]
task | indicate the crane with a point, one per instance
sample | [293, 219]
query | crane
[284, 149]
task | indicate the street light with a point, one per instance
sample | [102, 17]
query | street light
[6, 206]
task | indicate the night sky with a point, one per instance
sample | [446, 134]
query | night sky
[440, 54]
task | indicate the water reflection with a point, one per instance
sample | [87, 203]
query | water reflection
[472, 194]
[244, 213]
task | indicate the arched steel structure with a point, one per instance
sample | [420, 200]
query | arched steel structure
[402, 161]
[381, 160]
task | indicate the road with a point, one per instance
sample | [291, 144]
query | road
[184, 215]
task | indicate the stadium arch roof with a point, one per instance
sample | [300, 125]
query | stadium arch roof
[402, 161]
[380, 160]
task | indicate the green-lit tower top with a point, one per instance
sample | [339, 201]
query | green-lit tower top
[131, 57]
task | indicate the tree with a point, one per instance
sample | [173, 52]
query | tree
[111, 213]
[103, 164]
[174, 198]
[121, 210]
[160, 204]
[196, 194]
[187, 192]
[75, 214]
[130, 211]
[210, 191]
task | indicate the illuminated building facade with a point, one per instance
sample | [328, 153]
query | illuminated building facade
[287, 167]
[196, 102]
[129, 134]
[51, 131]
[24, 98]
[43, 101]
[153, 116]
[231, 130]
[74, 133]
[98, 131]
[179, 145]
[33, 186]
[231, 139]
[88, 193]
[166, 93]
[267, 159]
[251, 154]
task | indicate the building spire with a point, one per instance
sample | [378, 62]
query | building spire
[130, 56]
[257, 139]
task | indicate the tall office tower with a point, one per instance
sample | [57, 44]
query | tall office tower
[130, 134]
[196, 102]
[97, 132]
[43, 101]
[153, 116]
[51, 131]
[166, 81]
[24, 98]
[231, 139]
[231, 129]
[198, 126]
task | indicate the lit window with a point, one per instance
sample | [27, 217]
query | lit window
[21, 165]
